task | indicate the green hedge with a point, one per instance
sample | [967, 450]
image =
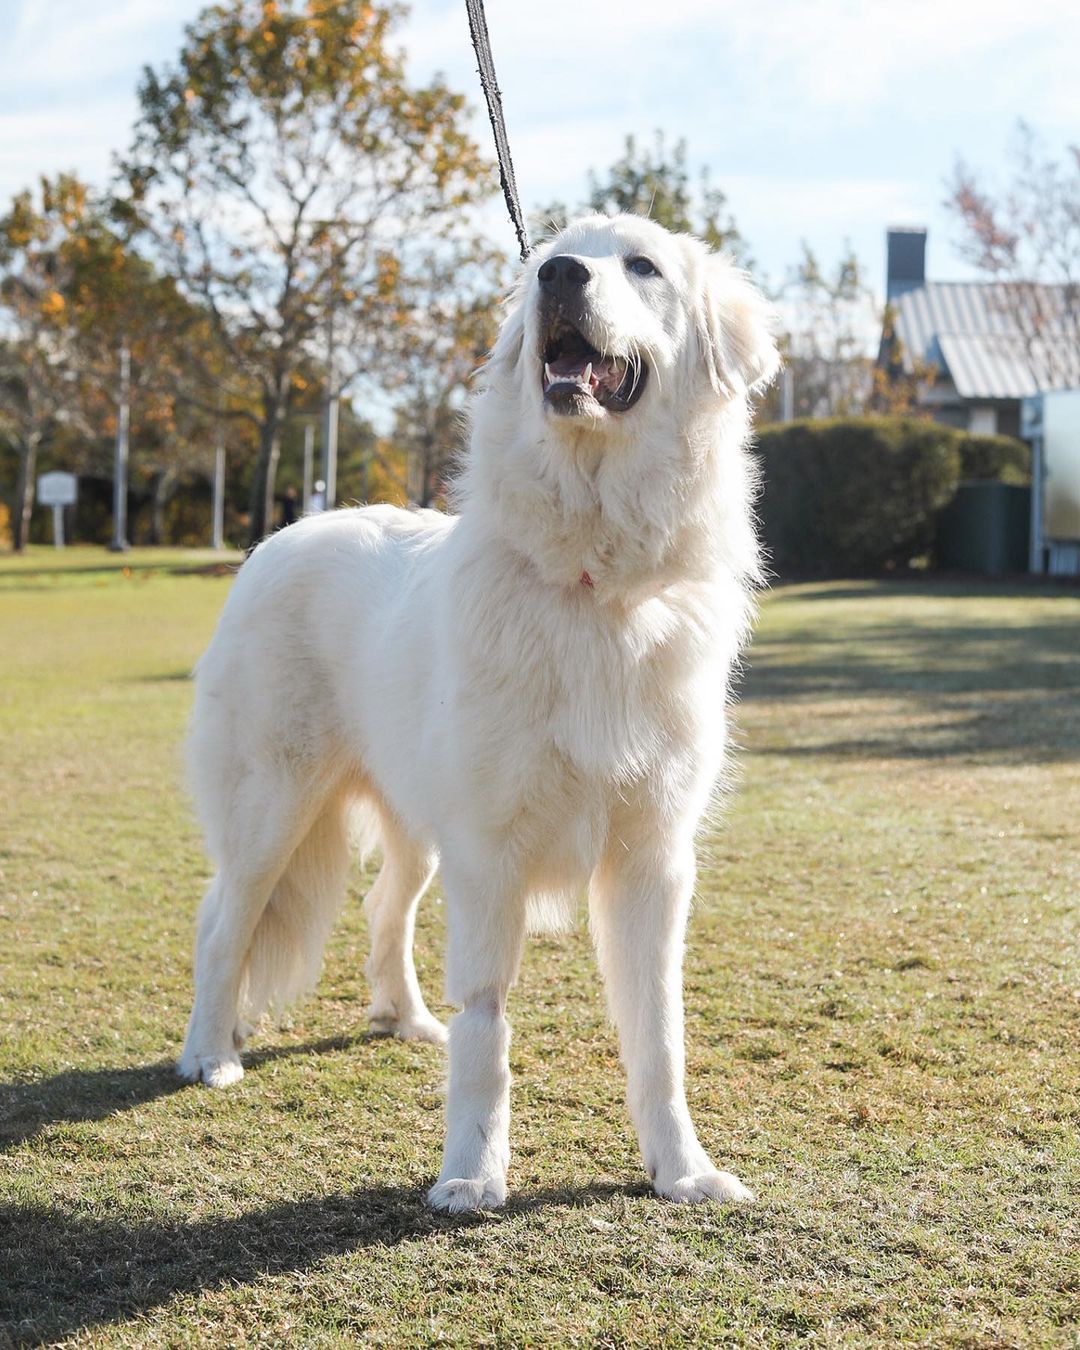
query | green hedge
[862, 494]
[999, 458]
[853, 495]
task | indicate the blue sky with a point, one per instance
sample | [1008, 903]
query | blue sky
[823, 120]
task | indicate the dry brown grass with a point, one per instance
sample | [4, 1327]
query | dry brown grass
[883, 1016]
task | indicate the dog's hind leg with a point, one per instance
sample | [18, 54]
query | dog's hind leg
[255, 928]
[397, 1005]
[228, 917]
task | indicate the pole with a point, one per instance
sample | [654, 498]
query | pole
[330, 419]
[1037, 553]
[309, 455]
[120, 467]
[787, 395]
[217, 538]
[58, 526]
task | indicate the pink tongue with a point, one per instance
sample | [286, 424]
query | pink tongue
[568, 367]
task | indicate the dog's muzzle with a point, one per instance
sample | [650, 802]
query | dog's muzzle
[576, 377]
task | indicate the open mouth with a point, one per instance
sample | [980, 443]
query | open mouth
[576, 375]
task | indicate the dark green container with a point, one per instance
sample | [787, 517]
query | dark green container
[985, 529]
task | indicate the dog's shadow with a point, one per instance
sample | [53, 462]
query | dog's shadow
[93, 1094]
[66, 1273]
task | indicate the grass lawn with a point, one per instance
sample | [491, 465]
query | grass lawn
[883, 1019]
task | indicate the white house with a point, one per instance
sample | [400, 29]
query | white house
[976, 347]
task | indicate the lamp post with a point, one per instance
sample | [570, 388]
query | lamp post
[309, 455]
[330, 417]
[120, 462]
[217, 538]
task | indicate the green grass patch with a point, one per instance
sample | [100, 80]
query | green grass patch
[883, 1017]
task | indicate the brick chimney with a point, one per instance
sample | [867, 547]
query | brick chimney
[906, 266]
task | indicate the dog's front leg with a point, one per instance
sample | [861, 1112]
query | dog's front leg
[639, 901]
[484, 936]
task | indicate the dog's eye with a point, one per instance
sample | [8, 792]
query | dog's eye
[642, 267]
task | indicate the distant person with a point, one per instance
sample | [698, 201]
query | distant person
[289, 507]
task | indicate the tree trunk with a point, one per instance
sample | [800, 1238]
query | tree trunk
[433, 465]
[164, 484]
[23, 504]
[262, 485]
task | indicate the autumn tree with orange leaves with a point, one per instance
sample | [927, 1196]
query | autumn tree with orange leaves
[72, 293]
[283, 170]
[38, 375]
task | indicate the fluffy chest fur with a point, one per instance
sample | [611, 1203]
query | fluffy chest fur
[605, 685]
[561, 704]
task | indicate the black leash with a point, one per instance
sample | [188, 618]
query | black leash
[482, 46]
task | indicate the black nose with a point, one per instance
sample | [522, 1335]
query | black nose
[563, 274]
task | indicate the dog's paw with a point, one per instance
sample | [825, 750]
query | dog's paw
[718, 1186]
[420, 1026]
[423, 1027]
[216, 1071]
[465, 1195]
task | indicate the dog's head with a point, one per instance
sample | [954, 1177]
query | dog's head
[617, 313]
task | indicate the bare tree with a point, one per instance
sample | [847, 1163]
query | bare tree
[1026, 236]
[831, 320]
[446, 322]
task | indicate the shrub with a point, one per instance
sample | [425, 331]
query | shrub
[999, 458]
[854, 495]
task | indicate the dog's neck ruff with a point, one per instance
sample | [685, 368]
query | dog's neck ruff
[661, 511]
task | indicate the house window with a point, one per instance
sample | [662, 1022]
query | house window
[982, 421]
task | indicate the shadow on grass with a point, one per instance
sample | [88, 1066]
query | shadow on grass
[1008, 691]
[68, 1272]
[94, 1094]
[32, 578]
[954, 585]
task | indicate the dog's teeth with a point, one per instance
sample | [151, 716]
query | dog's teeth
[547, 373]
[586, 375]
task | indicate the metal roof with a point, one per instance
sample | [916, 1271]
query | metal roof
[976, 332]
[987, 367]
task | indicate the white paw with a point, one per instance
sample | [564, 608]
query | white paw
[424, 1027]
[462, 1195]
[419, 1026]
[692, 1190]
[216, 1071]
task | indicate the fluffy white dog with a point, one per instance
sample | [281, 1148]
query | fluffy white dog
[531, 694]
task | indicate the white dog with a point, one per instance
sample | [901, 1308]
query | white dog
[532, 694]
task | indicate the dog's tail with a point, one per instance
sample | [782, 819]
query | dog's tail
[286, 950]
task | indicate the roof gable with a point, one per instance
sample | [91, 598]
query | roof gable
[973, 330]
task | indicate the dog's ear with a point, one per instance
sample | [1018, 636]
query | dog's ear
[736, 327]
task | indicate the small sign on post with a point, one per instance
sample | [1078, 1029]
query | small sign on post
[57, 490]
